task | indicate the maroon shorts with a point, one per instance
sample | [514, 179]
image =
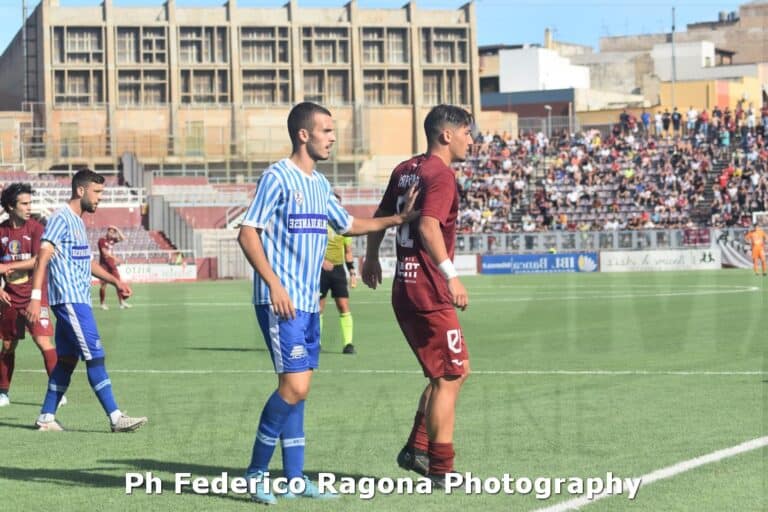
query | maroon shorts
[13, 323]
[436, 339]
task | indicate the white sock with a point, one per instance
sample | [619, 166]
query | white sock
[115, 415]
[46, 418]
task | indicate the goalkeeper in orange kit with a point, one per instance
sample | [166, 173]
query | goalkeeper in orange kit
[757, 238]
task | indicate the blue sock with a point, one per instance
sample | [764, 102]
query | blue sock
[292, 439]
[58, 383]
[100, 383]
[273, 418]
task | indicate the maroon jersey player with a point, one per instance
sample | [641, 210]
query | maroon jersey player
[426, 288]
[19, 245]
[108, 260]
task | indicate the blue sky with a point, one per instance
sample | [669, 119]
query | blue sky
[499, 21]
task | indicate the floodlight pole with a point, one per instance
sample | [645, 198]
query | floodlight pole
[24, 46]
[674, 63]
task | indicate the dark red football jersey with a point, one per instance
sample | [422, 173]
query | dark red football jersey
[18, 244]
[419, 285]
[106, 245]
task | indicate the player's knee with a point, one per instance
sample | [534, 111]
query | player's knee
[9, 346]
[67, 361]
[294, 392]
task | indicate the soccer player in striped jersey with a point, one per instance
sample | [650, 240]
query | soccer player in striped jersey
[66, 258]
[284, 236]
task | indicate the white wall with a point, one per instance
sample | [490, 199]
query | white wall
[539, 69]
[690, 59]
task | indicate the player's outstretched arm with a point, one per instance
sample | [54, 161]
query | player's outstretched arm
[371, 271]
[432, 241]
[250, 242]
[101, 273]
[408, 214]
[28, 264]
[38, 277]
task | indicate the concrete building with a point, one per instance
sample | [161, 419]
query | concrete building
[742, 33]
[539, 69]
[213, 85]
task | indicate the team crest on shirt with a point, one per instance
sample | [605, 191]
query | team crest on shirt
[14, 247]
[298, 197]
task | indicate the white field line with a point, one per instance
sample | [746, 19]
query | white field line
[575, 373]
[666, 472]
[490, 297]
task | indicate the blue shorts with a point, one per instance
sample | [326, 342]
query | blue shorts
[76, 333]
[294, 345]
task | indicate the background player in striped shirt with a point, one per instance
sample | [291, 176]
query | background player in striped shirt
[19, 245]
[66, 257]
[109, 261]
[333, 278]
[284, 236]
[427, 288]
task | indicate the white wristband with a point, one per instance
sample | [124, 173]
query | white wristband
[36, 295]
[447, 269]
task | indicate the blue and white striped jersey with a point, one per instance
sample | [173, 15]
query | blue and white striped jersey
[69, 271]
[293, 210]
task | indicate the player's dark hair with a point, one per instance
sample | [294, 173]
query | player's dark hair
[10, 195]
[302, 116]
[85, 177]
[441, 115]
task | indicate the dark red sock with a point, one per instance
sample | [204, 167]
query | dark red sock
[440, 458]
[102, 295]
[418, 438]
[7, 362]
[49, 358]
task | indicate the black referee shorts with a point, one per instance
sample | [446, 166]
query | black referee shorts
[334, 280]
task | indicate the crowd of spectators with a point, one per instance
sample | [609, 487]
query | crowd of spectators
[631, 178]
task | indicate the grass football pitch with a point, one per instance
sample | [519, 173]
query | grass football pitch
[574, 375]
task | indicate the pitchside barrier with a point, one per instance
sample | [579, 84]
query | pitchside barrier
[538, 263]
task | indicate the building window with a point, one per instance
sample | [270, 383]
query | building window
[129, 88]
[206, 45]
[264, 45]
[78, 45]
[313, 86]
[433, 87]
[141, 87]
[446, 86]
[338, 87]
[373, 86]
[204, 86]
[444, 45]
[397, 46]
[153, 45]
[78, 87]
[373, 45]
[265, 87]
[327, 87]
[322, 45]
[398, 87]
[382, 45]
[127, 45]
[390, 87]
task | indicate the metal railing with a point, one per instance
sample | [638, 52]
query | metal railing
[565, 241]
[112, 196]
[153, 256]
